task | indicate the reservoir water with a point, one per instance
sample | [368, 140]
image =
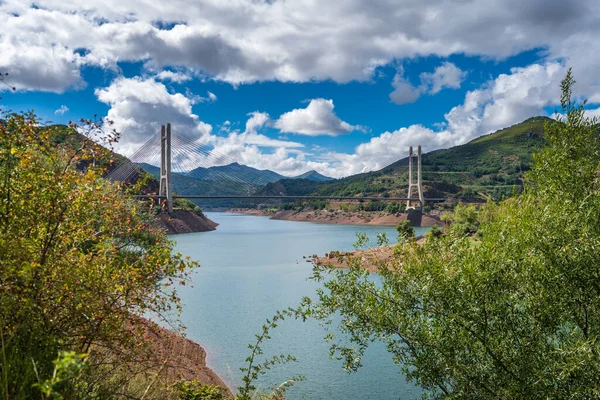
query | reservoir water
[252, 266]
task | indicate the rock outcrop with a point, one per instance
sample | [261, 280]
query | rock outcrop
[182, 221]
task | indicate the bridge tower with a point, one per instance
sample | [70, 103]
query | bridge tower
[165, 166]
[419, 185]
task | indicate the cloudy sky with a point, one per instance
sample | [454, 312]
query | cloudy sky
[339, 86]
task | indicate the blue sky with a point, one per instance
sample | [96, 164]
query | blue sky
[297, 85]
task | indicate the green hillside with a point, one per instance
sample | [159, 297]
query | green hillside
[290, 187]
[491, 165]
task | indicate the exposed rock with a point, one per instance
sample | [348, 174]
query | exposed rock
[182, 221]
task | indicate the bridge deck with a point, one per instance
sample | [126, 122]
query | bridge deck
[432, 200]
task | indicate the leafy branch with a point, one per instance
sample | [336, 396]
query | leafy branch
[254, 369]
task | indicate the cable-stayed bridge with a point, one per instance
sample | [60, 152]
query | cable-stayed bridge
[174, 152]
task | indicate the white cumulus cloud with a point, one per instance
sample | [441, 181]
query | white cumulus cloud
[446, 75]
[61, 110]
[47, 44]
[316, 119]
[404, 92]
[177, 77]
[140, 106]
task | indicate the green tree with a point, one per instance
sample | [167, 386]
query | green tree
[405, 231]
[463, 220]
[434, 233]
[186, 204]
[80, 261]
[513, 315]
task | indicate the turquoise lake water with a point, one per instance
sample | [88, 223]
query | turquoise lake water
[252, 266]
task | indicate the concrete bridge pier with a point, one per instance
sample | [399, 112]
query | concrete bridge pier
[419, 184]
[165, 166]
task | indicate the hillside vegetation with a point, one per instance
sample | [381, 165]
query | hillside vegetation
[489, 166]
[235, 172]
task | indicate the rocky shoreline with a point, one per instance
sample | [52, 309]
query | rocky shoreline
[378, 218]
[370, 258]
[183, 221]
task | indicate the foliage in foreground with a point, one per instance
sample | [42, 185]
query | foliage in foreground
[255, 368]
[80, 263]
[194, 390]
[515, 314]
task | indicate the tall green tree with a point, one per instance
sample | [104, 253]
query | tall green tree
[80, 261]
[515, 314]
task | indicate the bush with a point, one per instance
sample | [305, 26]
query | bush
[434, 233]
[188, 205]
[194, 390]
[463, 220]
[394, 207]
[405, 231]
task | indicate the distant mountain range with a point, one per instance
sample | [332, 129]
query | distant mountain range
[229, 180]
[243, 173]
[235, 172]
[184, 184]
[489, 166]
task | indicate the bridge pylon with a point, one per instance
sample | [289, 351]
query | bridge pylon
[419, 184]
[165, 166]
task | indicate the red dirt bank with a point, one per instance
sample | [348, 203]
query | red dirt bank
[342, 217]
[183, 358]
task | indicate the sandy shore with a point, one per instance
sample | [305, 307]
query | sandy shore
[342, 217]
[370, 258]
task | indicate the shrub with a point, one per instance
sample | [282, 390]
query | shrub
[405, 231]
[194, 390]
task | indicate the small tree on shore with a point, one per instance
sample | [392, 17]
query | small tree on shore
[405, 231]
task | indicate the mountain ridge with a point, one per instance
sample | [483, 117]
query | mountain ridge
[246, 174]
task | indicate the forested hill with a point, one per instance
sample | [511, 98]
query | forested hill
[491, 165]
